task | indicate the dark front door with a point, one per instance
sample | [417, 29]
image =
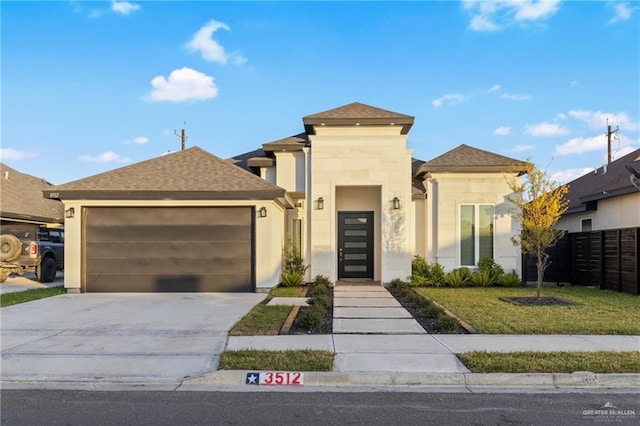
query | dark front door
[355, 245]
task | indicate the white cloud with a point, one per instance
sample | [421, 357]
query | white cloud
[490, 16]
[140, 140]
[494, 88]
[184, 84]
[622, 151]
[622, 11]
[105, 157]
[569, 175]
[545, 130]
[580, 145]
[124, 7]
[522, 148]
[210, 49]
[515, 97]
[449, 99]
[502, 131]
[14, 154]
[598, 119]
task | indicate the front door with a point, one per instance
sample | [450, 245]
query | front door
[355, 245]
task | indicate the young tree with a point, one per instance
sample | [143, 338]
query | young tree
[539, 203]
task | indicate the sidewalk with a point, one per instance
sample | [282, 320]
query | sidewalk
[373, 333]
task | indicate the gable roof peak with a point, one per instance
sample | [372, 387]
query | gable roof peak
[465, 158]
[355, 114]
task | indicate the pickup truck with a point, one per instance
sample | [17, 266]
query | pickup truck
[25, 249]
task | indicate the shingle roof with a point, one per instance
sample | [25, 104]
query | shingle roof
[242, 160]
[606, 182]
[468, 159]
[21, 198]
[189, 174]
[291, 143]
[356, 113]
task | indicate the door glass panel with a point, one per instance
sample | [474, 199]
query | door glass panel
[355, 268]
[355, 244]
[355, 256]
[355, 233]
[355, 220]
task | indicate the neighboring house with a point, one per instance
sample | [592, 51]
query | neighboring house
[604, 199]
[346, 192]
[21, 201]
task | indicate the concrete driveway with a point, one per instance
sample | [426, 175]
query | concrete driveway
[119, 337]
[28, 281]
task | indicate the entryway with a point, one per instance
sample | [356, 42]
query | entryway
[355, 245]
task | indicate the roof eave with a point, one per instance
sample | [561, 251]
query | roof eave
[609, 194]
[426, 169]
[311, 122]
[269, 194]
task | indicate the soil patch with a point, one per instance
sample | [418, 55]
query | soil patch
[539, 301]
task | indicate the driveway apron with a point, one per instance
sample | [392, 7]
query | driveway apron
[115, 336]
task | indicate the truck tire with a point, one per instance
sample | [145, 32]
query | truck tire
[10, 247]
[3, 276]
[46, 271]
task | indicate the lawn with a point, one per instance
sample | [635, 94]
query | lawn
[599, 312]
[13, 298]
[294, 360]
[262, 320]
[551, 362]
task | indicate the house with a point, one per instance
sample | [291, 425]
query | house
[22, 204]
[604, 199]
[346, 192]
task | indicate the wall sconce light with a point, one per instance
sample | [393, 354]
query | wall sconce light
[263, 212]
[320, 203]
[396, 203]
[70, 213]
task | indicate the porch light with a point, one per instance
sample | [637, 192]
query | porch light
[70, 213]
[263, 212]
[396, 203]
[320, 203]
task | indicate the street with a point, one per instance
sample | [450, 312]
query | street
[29, 407]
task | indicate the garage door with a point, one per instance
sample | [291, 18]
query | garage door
[150, 249]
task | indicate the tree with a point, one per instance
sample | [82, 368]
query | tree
[539, 202]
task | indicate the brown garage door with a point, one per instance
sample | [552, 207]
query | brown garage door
[151, 249]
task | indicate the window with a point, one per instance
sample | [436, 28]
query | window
[296, 236]
[585, 225]
[476, 233]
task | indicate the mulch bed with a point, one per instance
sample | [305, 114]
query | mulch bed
[539, 301]
[429, 324]
[327, 326]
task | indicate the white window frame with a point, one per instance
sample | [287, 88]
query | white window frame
[476, 236]
[582, 219]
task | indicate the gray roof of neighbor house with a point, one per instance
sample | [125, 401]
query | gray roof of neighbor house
[186, 175]
[607, 181]
[357, 114]
[466, 159]
[21, 198]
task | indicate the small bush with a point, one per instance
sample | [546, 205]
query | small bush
[424, 274]
[312, 317]
[397, 283]
[321, 300]
[447, 323]
[318, 289]
[437, 275]
[418, 280]
[511, 280]
[490, 267]
[482, 279]
[419, 267]
[292, 279]
[459, 277]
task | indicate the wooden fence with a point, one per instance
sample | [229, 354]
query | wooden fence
[607, 259]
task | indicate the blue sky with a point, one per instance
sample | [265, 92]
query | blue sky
[91, 86]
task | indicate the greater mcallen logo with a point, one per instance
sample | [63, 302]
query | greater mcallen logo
[609, 412]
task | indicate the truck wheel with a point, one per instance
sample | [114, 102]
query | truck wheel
[46, 272]
[3, 276]
[10, 247]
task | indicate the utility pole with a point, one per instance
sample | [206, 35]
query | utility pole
[182, 135]
[609, 134]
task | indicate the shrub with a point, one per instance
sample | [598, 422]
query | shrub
[418, 280]
[482, 278]
[397, 283]
[318, 289]
[437, 275]
[459, 277]
[511, 280]
[292, 279]
[419, 267]
[312, 317]
[321, 279]
[292, 261]
[495, 271]
[447, 323]
[320, 300]
[423, 274]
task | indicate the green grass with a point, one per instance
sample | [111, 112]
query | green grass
[285, 292]
[8, 299]
[552, 362]
[599, 312]
[262, 320]
[298, 360]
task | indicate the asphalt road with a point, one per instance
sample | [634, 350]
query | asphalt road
[60, 407]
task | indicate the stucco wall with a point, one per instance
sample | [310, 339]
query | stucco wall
[448, 192]
[362, 156]
[420, 211]
[612, 213]
[269, 237]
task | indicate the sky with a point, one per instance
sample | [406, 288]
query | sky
[88, 87]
